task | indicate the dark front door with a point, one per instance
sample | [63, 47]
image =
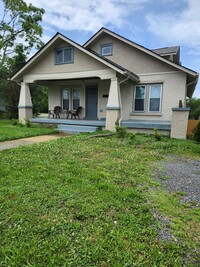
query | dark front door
[91, 102]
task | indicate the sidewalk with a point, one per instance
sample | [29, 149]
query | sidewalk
[30, 140]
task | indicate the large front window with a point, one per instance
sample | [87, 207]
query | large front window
[71, 98]
[147, 98]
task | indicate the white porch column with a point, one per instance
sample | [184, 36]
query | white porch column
[113, 105]
[25, 103]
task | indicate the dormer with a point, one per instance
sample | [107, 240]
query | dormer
[171, 53]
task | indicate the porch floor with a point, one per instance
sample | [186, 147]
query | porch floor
[97, 123]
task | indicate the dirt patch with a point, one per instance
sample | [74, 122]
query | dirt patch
[30, 140]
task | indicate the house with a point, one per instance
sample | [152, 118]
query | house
[112, 78]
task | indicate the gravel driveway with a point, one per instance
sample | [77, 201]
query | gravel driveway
[181, 175]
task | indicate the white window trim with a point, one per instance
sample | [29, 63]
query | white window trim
[147, 99]
[62, 49]
[106, 45]
[150, 86]
[145, 93]
[70, 89]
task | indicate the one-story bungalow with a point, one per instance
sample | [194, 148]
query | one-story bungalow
[111, 78]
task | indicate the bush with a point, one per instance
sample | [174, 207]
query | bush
[121, 130]
[157, 136]
[27, 122]
[196, 131]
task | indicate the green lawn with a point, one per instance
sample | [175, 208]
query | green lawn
[81, 201]
[8, 131]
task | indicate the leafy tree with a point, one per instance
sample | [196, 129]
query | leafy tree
[39, 96]
[194, 105]
[19, 22]
[20, 31]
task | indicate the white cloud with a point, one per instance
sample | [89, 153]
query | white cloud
[178, 26]
[87, 15]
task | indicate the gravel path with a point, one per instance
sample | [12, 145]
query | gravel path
[180, 175]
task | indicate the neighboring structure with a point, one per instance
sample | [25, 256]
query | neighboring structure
[112, 78]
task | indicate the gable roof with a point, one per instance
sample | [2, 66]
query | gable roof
[103, 31]
[19, 73]
[167, 50]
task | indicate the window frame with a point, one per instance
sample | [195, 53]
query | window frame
[106, 46]
[147, 98]
[71, 98]
[145, 93]
[63, 49]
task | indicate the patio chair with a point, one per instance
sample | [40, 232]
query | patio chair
[57, 111]
[75, 113]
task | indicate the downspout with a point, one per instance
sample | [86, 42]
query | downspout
[120, 100]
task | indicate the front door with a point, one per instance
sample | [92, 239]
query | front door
[91, 102]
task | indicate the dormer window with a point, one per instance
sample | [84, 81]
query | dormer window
[106, 49]
[64, 55]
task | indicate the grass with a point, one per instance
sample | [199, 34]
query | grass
[8, 131]
[81, 201]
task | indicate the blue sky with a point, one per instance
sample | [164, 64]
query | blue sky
[151, 23]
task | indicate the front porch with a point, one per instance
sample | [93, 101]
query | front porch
[73, 126]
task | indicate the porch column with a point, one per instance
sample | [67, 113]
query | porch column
[25, 103]
[113, 105]
[179, 123]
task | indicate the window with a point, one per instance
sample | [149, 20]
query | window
[75, 98]
[64, 55]
[154, 97]
[106, 50]
[70, 98]
[66, 98]
[147, 98]
[139, 97]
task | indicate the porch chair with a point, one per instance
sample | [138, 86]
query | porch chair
[56, 112]
[75, 113]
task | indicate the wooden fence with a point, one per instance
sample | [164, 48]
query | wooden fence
[191, 125]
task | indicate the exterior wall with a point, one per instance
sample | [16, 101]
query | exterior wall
[82, 62]
[173, 91]
[130, 57]
[103, 92]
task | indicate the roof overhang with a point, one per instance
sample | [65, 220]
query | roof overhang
[104, 31]
[18, 76]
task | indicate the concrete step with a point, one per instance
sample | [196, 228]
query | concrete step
[77, 128]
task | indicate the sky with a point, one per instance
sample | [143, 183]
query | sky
[150, 23]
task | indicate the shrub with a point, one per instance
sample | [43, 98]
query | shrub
[121, 130]
[196, 132]
[27, 122]
[157, 136]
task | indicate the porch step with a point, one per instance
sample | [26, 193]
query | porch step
[76, 128]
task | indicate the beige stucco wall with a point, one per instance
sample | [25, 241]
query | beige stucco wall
[82, 62]
[173, 90]
[130, 57]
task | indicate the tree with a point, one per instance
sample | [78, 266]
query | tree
[20, 31]
[194, 105]
[20, 22]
